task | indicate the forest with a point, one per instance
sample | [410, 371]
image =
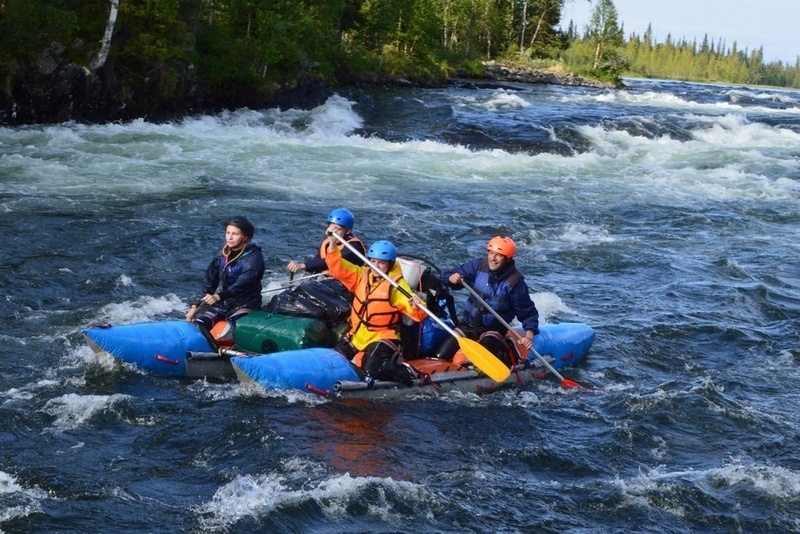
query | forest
[235, 51]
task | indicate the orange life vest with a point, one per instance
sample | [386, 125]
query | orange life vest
[371, 307]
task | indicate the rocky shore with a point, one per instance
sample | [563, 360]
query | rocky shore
[503, 72]
[57, 90]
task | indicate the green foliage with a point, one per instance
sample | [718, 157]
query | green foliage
[153, 30]
[642, 56]
[473, 69]
[705, 63]
[247, 48]
[605, 34]
[27, 27]
[223, 60]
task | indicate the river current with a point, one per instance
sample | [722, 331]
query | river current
[666, 216]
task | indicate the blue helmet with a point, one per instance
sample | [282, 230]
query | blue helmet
[382, 250]
[342, 217]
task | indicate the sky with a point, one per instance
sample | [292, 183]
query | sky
[771, 24]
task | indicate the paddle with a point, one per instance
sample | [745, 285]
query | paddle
[292, 282]
[564, 382]
[476, 353]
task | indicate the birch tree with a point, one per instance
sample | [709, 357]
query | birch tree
[546, 9]
[100, 59]
[604, 30]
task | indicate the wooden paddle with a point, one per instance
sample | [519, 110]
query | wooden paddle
[564, 382]
[476, 353]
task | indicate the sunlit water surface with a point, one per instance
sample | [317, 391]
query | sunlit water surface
[666, 216]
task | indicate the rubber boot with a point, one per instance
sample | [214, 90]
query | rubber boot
[447, 349]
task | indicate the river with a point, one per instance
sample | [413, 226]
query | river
[666, 216]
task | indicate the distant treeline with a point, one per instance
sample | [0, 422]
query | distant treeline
[158, 48]
[644, 57]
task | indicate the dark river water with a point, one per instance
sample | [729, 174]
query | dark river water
[666, 216]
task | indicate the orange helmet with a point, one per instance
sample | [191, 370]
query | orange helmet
[502, 245]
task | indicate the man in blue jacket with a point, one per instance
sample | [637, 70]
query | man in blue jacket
[496, 279]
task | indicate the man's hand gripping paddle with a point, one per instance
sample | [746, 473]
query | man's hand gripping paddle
[564, 382]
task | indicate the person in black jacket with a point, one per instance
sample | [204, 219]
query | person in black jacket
[238, 269]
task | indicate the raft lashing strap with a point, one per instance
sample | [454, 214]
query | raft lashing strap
[426, 379]
[535, 366]
[162, 358]
[314, 389]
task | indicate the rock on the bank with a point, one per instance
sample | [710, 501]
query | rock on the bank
[502, 72]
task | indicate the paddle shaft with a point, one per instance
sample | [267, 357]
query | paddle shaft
[292, 281]
[512, 330]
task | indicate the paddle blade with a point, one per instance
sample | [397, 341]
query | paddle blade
[484, 360]
[567, 383]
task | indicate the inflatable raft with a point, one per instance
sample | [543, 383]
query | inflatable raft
[282, 352]
[289, 344]
[326, 372]
[180, 349]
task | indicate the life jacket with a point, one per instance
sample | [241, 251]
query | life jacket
[229, 271]
[496, 293]
[350, 238]
[372, 309]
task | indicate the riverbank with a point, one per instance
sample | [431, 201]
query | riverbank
[57, 90]
[491, 71]
[506, 72]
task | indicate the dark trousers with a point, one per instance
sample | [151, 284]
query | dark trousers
[492, 340]
[214, 314]
[381, 361]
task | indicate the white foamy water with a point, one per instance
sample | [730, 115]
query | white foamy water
[16, 501]
[664, 216]
[259, 496]
[72, 411]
